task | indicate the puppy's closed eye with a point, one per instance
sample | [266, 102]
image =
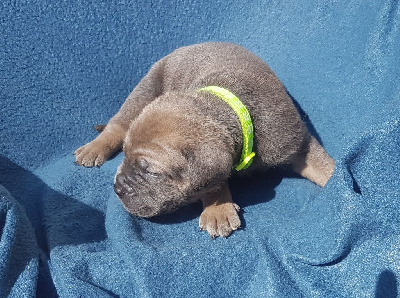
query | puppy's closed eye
[148, 169]
[153, 174]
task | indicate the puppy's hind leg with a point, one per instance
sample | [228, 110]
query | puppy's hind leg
[314, 164]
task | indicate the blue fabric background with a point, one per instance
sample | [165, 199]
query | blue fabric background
[67, 65]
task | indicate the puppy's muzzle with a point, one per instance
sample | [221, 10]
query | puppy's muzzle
[128, 197]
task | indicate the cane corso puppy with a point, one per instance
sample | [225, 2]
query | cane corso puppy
[182, 141]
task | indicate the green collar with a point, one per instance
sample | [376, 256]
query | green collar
[245, 120]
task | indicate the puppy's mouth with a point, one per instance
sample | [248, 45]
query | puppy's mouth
[141, 211]
[142, 207]
[138, 208]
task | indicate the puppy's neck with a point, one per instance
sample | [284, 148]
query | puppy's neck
[216, 117]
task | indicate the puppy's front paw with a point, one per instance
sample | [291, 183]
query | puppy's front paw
[220, 220]
[92, 154]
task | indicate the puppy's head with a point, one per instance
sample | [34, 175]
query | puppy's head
[170, 160]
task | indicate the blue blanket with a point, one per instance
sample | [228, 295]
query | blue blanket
[66, 66]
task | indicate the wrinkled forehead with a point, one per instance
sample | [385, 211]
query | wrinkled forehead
[158, 148]
[158, 127]
[156, 156]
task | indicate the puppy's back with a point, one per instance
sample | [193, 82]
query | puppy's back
[219, 63]
[279, 132]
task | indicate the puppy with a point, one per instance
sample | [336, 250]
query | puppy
[181, 143]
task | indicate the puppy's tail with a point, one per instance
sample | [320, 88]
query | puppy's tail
[100, 127]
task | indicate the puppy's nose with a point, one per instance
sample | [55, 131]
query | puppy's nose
[120, 185]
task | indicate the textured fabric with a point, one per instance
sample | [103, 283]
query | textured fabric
[68, 65]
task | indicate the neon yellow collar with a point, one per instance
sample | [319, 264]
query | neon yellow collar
[245, 120]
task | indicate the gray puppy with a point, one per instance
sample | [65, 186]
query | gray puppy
[181, 144]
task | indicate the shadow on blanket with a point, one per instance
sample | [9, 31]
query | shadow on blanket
[387, 285]
[55, 209]
[38, 219]
[19, 254]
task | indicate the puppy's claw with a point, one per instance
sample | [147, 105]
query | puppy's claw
[99, 161]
